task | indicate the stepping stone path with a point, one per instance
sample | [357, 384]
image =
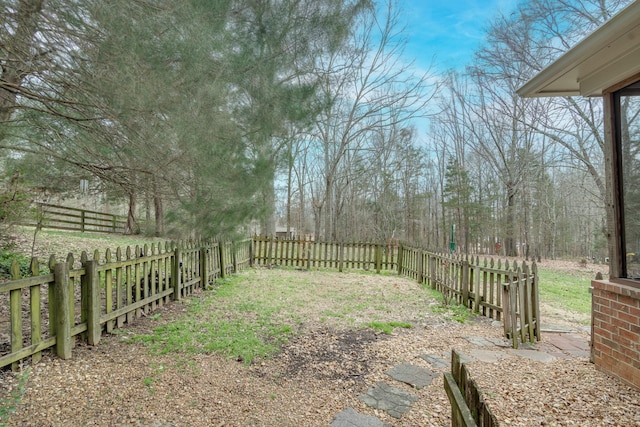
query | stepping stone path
[350, 418]
[412, 375]
[396, 402]
[436, 361]
[390, 399]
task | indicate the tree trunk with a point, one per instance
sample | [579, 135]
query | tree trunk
[289, 184]
[18, 48]
[328, 209]
[302, 220]
[147, 211]
[131, 227]
[268, 223]
[317, 221]
[159, 214]
[510, 241]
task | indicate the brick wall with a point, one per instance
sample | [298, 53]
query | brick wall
[616, 330]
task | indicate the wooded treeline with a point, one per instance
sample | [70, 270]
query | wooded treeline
[303, 113]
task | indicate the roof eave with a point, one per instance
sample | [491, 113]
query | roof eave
[618, 28]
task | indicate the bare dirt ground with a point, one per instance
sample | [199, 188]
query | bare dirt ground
[318, 373]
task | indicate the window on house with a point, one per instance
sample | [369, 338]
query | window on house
[629, 162]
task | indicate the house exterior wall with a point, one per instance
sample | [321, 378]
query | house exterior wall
[616, 330]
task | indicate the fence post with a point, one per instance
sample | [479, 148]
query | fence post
[34, 303]
[204, 268]
[222, 260]
[340, 256]
[522, 303]
[92, 287]
[400, 256]
[510, 301]
[476, 287]
[62, 298]
[15, 310]
[419, 267]
[506, 309]
[82, 219]
[378, 258]
[138, 280]
[176, 273]
[433, 272]
[270, 251]
[251, 243]
[234, 257]
[50, 298]
[465, 282]
[535, 300]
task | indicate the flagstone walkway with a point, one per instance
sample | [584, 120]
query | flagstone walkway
[559, 343]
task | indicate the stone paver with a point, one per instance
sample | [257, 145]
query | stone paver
[436, 361]
[464, 358]
[480, 341]
[489, 356]
[552, 350]
[572, 344]
[413, 375]
[500, 342]
[527, 346]
[559, 343]
[390, 399]
[351, 418]
[538, 356]
[556, 327]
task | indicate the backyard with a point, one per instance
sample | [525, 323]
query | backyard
[290, 347]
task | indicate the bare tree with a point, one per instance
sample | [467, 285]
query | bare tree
[365, 88]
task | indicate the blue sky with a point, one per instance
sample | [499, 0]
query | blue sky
[448, 31]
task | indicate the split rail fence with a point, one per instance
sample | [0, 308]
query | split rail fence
[103, 293]
[74, 219]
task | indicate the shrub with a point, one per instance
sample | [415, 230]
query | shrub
[6, 258]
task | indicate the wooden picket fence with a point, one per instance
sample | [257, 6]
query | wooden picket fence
[501, 291]
[334, 255]
[506, 292]
[468, 408]
[103, 293]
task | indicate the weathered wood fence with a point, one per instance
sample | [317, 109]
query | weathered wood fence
[506, 292]
[468, 408]
[103, 293]
[336, 255]
[75, 219]
[501, 291]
